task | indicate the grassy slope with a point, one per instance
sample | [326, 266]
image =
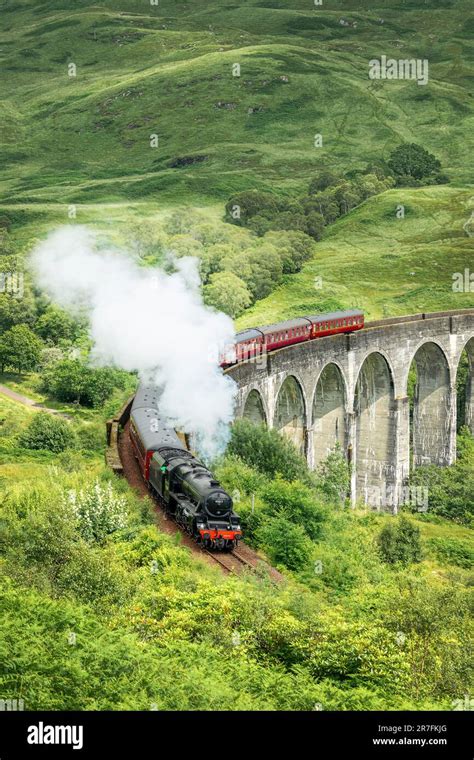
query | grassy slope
[143, 69]
[382, 264]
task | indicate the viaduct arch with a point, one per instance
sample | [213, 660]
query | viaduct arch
[352, 390]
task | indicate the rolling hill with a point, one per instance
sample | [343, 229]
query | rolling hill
[167, 70]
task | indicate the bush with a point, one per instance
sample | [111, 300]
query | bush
[334, 476]
[295, 502]
[451, 489]
[266, 450]
[454, 551]
[56, 325]
[98, 510]
[399, 542]
[237, 476]
[285, 543]
[49, 433]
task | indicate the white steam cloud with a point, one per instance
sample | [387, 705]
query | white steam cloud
[147, 320]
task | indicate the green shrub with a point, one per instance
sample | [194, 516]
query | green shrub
[454, 551]
[285, 543]
[451, 489]
[48, 432]
[295, 502]
[237, 476]
[334, 476]
[266, 450]
[399, 542]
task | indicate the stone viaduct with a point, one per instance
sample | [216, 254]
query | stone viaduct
[353, 389]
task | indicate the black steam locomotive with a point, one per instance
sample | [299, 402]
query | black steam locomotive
[188, 491]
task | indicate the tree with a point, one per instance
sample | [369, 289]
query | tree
[182, 222]
[326, 178]
[450, 489]
[71, 380]
[48, 432]
[294, 248]
[56, 325]
[208, 234]
[260, 224]
[289, 220]
[243, 206]
[399, 541]
[20, 348]
[267, 269]
[99, 385]
[185, 245]
[315, 225]
[66, 380]
[227, 293]
[323, 203]
[412, 160]
[15, 311]
[347, 196]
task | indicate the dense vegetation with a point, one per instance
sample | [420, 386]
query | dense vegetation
[102, 611]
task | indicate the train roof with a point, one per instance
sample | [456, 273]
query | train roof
[336, 315]
[147, 396]
[252, 332]
[154, 429]
[287, 325]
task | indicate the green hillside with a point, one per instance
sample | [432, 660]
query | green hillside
[167, 70]
[380, 263]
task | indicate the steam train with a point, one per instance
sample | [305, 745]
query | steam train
[257, 341]
[186, 488]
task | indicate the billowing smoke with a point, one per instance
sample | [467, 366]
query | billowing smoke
[147, 320]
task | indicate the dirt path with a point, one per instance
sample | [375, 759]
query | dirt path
[26, 401]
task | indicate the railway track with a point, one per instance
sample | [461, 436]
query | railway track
[232, 562]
